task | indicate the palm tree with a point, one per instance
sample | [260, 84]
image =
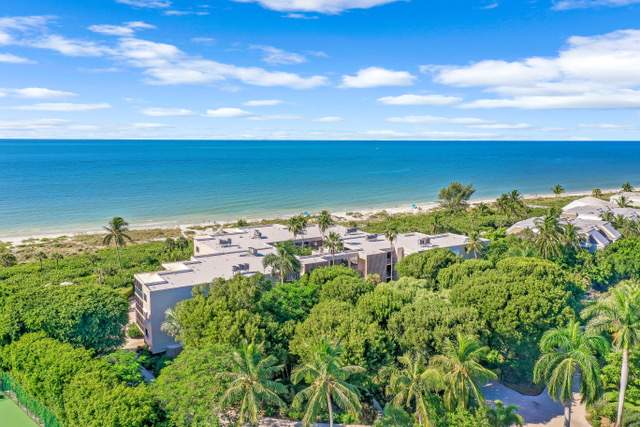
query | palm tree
[171, 325]
[57, 257]
[391, 234]
[475, 245]
[411, 385]
[619, 315]
[117, 234]
[557, 189]
[567, 352]
[329, 384]
[623, 202]
[334, 244]
[251, 383]
[627, 187]
[505, 416]
[463, 373]
[548, 241]
[296, 225]
[283, 262]
[596, 192]
[571, 238]
[41, 256]
[325, 221]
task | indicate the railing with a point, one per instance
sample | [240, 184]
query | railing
[34, 408]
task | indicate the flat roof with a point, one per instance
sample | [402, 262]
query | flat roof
[220, 257]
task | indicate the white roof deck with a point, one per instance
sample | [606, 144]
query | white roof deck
[243, 254]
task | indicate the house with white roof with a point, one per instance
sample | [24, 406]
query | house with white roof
[586, 214]
[234, 251]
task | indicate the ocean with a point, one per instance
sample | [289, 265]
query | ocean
[49, 186]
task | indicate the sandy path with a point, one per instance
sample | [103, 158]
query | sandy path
[538, 411]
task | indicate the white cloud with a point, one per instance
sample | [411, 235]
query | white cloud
[149, 4]
[426, 119]
[263, 102]
[273, 117]
[39, 92]
[429, 135]
[584, 4]
[10, 26]
[603, 100]
[512, 126]
[70, 47]
[165, 64]
[147, 125]
[589, 72]
[9, 58]
[494, 73]
[329, 119]
[128, 29]
[275, 56]
[62, 107]
[411, 99]
[604, 126]
[166, 112]
[299, 16]
[319, 6]
[22, 125]
[377, 77]
[226, 113]
[174, 12]
[203, 40]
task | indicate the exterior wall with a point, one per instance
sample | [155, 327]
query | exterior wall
[159, 302]
[377, 264]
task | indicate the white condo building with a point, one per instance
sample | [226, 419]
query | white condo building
[241, 250]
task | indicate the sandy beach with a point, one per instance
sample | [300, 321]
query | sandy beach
[355, 214]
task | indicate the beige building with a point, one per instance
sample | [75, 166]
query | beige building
[241, 250]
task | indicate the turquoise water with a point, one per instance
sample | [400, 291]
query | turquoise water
[57, 185]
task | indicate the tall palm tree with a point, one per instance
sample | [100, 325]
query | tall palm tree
[325, 221]
[567, 352]
[619, 315]
[411, 385]
[251, 383]
[334, 243]
[505, 416]
[627, 187]
[41, 256]
[463, 373]
[296, 226]
[57, 257]
[474, 245]
[557, 189]
[171, 325]
[548, 241]
[391, 234]
[117, 235]
[596, 192]
[328, 384]
[283, 262]
[571, 238]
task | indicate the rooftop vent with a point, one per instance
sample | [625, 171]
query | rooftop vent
[256, 234]
[371, 237]
[225, 242]
[253, 251]
[352, 230]
[425, 241]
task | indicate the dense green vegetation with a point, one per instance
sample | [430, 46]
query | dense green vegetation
[331, 345]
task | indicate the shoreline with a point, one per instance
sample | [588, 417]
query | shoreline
[344, 215]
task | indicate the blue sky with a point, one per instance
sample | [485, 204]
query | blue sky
[320, 69]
